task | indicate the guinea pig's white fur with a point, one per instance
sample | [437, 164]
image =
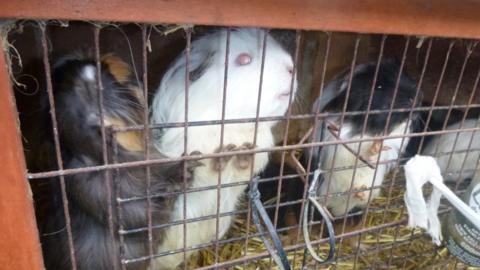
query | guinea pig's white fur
[365, 177]
[445, 143]
[207, 58]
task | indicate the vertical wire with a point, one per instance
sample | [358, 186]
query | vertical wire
[446, 59]
[315, 128]
[410, 116]
[469, 104]
[222, 130]
[51, 101]
[364, 128]
[444, 126]
[146, 137]
[342, 118]
[257, 115]
[285, 135]
[106, 173]
[188, 32]
[387, 125]
[457, 134]
[397, 163]
[422, 75]
[437, 90]
[119, 205]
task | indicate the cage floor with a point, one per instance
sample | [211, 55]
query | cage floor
[393, 247]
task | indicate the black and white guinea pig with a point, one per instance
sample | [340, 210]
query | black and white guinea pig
[206, 73]
[79, 127]
[457, 153]
[333, 99]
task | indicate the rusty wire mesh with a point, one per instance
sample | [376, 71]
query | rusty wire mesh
[379, 240]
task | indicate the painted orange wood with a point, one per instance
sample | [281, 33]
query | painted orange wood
[19, 241]
[453, 18]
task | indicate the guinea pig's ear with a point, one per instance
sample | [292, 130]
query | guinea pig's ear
[362, 68]
[331, 91]
[117, 67]
[200, 61]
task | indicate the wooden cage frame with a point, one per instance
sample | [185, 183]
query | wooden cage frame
[19, 240]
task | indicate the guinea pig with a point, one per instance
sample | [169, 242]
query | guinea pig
[79, 127]
[443, 147]
[206, 73]
[339, 180]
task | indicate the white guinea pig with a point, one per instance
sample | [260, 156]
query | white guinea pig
[451, 165]
[206, 74]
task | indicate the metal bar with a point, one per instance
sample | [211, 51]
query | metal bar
[51, 100]
[287, 126]
[445, 123]
[280, 118]
[222, 131]
[458, 134]
[370, 99]
[188, 33]
[121, 200]
[19, 240]
[193, 190]
[107, 174]
[265, 254]
[437, 90]
[419, 17]
[124, 232]
[116, 184]
[146, 138]
[342, 118]
[239, 152]
[257, 115]
[314, 135]
[468, 53]
[402, 65]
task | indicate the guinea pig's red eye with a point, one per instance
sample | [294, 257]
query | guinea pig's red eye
[243, 59]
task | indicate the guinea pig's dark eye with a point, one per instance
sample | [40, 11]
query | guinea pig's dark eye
[243, 59]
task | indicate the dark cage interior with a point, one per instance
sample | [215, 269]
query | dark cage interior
[141, 141]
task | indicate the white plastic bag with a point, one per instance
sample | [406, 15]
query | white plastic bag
[418, 171]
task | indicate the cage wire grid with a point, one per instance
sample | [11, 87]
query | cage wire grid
[381, 240]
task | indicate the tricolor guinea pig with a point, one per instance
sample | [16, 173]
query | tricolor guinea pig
[79, 127]
[205, 94]
[342, 157]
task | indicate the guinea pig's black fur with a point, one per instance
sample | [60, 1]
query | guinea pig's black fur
[438, 119]
[79, 127]
[383, 94]
[292, 190]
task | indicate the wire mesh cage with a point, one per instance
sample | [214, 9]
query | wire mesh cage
[171, 146]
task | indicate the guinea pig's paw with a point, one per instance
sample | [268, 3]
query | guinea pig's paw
[360, 193]
[243, 161]
[218, 164]
[192, 164]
